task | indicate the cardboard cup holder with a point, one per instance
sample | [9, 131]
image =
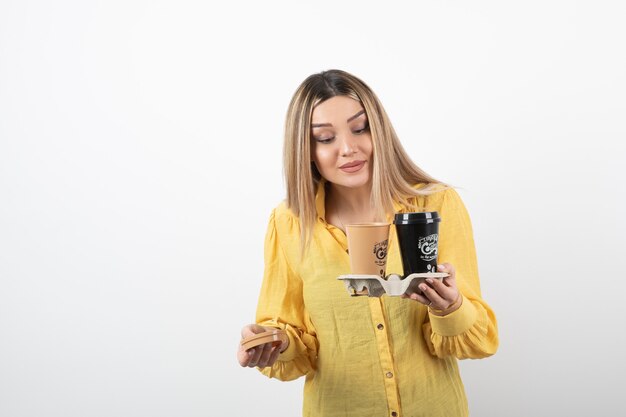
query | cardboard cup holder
[275, 336]
[393, 285]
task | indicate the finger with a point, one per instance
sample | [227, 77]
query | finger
[266, 351]
[273, 356]
[251, 330]
[419, 297]
[243, 357]
[435, 299]
[284, 345]
[255, 354]
[274, 351]
[449, 268]
[450, 280]
[447, 293]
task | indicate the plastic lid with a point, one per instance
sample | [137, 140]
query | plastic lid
[417, 218]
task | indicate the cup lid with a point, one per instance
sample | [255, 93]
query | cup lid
[278, 336]
[370, 224]
[417, 218]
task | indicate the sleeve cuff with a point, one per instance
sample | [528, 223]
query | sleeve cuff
[289, 353]
[455, 323]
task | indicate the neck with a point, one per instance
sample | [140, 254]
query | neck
[352, 205]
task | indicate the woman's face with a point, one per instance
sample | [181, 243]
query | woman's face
[342, 143]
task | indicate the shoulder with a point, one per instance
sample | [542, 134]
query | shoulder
[283, 212]
[440, 197]
[284, 219]
[283, 231]
[433, 197]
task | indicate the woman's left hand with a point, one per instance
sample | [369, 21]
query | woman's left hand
[443, 296]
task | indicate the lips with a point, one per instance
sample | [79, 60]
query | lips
[353, 166]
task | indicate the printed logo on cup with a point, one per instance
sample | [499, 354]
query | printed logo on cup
[380, 250]
[428, 246]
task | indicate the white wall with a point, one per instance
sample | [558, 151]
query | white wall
[140, 155]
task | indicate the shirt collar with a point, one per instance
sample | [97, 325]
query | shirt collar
[397, 207]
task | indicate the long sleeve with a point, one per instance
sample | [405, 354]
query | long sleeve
[281, 302]
[471, 331]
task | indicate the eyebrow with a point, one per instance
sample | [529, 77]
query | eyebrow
[314, 125]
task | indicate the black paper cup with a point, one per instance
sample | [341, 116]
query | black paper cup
[418, 236]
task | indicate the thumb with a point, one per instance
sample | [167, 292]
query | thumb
[446, 267]
[450, 280]
[251, 330]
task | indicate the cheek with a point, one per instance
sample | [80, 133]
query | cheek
[322, 156]
[368, 146]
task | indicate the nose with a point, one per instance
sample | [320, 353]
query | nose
[348, 146]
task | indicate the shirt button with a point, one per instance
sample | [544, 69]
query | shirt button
[389, 375]
[380, 326]
[394, 414]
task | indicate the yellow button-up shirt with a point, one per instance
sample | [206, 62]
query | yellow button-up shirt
[365, 356]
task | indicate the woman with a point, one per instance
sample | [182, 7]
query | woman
[363, 356]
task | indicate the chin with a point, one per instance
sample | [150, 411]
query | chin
[354, 182]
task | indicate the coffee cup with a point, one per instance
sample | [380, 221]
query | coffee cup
[367, 247]
[418, 237]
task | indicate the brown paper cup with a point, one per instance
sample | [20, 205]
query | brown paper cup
[367, 247]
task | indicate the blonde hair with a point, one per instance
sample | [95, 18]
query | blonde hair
[394, 174]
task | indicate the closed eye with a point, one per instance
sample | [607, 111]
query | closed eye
[325, 140]
[364, 129]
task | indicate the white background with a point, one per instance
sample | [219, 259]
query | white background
[140, 156]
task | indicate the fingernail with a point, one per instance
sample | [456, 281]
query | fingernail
[429, 280]
[441, 267]
[423, 287]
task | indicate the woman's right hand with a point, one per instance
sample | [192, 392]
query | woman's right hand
[262, 355]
